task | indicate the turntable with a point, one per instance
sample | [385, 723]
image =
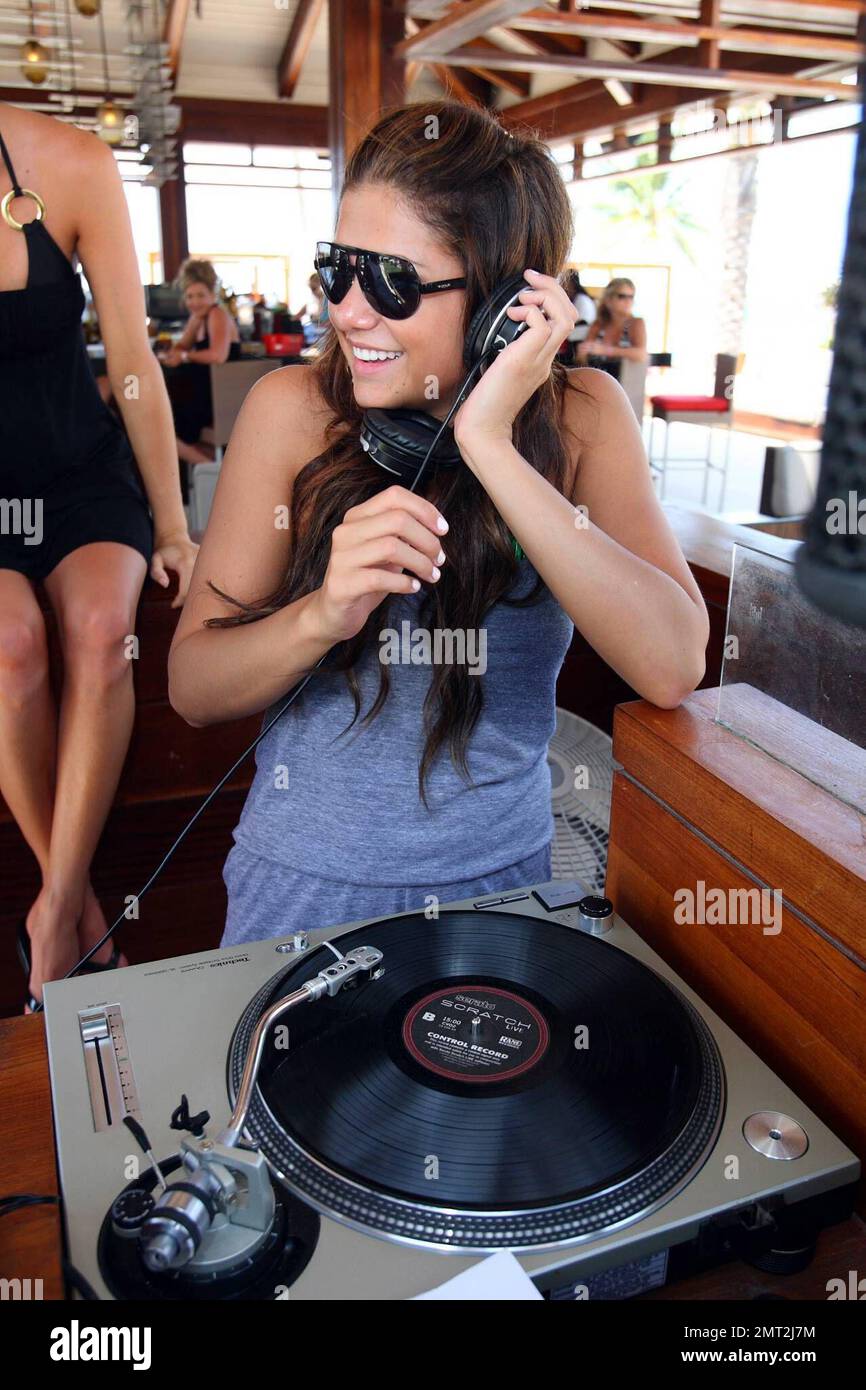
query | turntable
[364, 1112]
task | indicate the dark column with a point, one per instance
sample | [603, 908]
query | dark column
[364, 76]
[172, 213]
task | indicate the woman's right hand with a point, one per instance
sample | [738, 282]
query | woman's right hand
[394, 531]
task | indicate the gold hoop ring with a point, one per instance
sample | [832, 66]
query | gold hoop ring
[25, 193]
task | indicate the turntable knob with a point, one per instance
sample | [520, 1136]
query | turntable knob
[130, 1210]
[595, 915]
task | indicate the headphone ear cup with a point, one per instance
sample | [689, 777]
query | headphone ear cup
[490, 326]
[398, 441]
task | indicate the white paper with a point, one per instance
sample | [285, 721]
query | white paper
[499, 1277]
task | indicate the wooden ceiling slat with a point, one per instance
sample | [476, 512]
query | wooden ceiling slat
[297, 47]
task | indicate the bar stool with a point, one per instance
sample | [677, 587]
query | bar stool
[711, 411]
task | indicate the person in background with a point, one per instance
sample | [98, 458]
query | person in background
[91, 537]
[616, 333]
[586, 311]
[318, 305]
[211, 335]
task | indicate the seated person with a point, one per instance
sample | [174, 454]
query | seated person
[211, 335]
[616, 334]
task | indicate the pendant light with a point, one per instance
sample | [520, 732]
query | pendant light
[109, 115]
[34, 59]
[88, 8]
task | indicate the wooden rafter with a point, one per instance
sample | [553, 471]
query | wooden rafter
[173, 27]
[474, 84]
[516, 83]
[586, 110]
[706, 33]
[297, 45]
[463, 85]
[656, 73]
[710, 20]
[462, 24]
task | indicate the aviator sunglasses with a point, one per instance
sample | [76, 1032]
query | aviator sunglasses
[390, 284]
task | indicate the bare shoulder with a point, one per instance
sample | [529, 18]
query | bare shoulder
[290, 394]
[47, 145]
[592, 403]
[287, 404]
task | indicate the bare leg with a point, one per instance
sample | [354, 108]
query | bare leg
[94, 592]
[28, 717]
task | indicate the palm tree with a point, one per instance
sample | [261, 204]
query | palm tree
[652, 204]
[740, 200]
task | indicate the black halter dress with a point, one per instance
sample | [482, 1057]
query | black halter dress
[68, 477]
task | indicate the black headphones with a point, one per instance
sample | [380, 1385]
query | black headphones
[402, 441]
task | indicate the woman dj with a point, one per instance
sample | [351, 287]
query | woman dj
[387, 786]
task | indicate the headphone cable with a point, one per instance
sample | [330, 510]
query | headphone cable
[290, 699]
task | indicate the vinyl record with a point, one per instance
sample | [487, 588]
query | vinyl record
[500, 1064]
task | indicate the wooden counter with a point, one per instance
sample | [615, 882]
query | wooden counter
[697, 809]
[30, 1240]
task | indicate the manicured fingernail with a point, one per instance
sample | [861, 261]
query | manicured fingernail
[529, 271]
[436, 572]
[416, 583]
[440, 558]
[441, 524]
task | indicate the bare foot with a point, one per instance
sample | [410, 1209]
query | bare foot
[92, 927]
[53, 940]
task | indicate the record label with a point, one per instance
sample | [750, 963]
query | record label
[474, 1032]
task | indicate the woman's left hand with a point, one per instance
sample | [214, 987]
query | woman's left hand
[514, 376]
[174, 552]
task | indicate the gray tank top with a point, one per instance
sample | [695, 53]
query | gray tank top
[345, 805]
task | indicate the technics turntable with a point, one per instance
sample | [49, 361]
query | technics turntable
[365, 1112]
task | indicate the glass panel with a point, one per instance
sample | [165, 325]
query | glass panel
[251, 177]
[794, 679]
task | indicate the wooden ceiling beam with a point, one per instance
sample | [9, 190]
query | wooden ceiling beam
[538, 42]
[173, 28]
[657, 73]
[254, 122]
[462, 24]
[710, 19]
[517, 84]
[470, 85]
[297, 45]
[587, 110]
[463, 85]
[707, 34]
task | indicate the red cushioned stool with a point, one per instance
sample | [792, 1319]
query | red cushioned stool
[717, 409]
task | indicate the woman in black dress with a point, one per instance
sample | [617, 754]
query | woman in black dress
[75, 514]
[211, 335]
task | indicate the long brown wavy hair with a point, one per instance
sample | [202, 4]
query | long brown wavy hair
[498, 203]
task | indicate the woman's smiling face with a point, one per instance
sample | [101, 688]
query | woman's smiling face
[429, 369]
[197, 297]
